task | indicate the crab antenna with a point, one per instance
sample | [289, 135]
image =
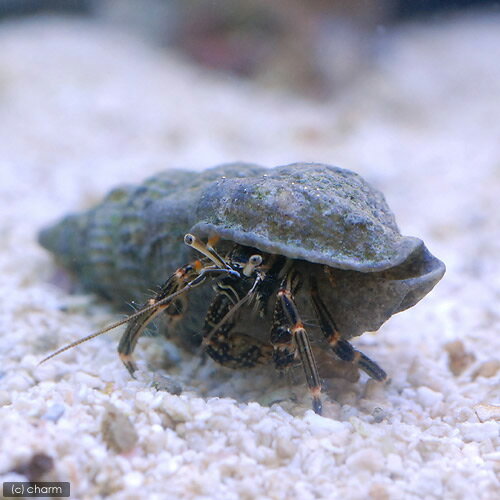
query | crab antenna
[193, 242]
[82, 340]
[145, 309]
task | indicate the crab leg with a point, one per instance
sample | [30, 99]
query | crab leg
[289, 339]
[341, 347]
[184, 279]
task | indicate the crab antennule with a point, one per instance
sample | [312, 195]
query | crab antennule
[231, 312]
[212, 241]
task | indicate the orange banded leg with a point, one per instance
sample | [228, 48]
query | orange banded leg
[185, 278]
[341, 347]
[136, 327]
[298, 341]
[129, 339]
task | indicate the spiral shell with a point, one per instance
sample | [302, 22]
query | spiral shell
[132, 240]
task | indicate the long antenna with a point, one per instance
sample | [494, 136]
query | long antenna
[146, 309]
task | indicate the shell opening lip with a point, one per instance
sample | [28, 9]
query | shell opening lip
[409, 244]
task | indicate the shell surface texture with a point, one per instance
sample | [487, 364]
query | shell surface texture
[263, 248]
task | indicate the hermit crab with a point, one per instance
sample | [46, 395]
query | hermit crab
[277, 245]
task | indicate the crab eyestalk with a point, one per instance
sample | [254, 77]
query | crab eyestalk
[192, 241]
[253, 262]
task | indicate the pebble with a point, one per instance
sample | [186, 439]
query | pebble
[427, 397]
[54, 412]
[479, 431]
[487, 369]
[133, 479]
[118, 431]
[370, 459]
[459, 359]
[487, 412]
[166, 383]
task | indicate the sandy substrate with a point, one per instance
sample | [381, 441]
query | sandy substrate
[83, 108]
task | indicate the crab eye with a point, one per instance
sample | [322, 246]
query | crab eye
[255, 260]
[189, 239]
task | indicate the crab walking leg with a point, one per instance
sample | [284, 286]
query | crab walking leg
[341, 347]
[288, 321]
[184, 279]
[281, 339]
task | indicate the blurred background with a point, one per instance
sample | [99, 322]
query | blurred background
[314, 47]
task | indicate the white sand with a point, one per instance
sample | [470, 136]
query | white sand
[83, 109]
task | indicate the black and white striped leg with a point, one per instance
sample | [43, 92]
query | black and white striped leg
[289, 339]
[341, 347]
